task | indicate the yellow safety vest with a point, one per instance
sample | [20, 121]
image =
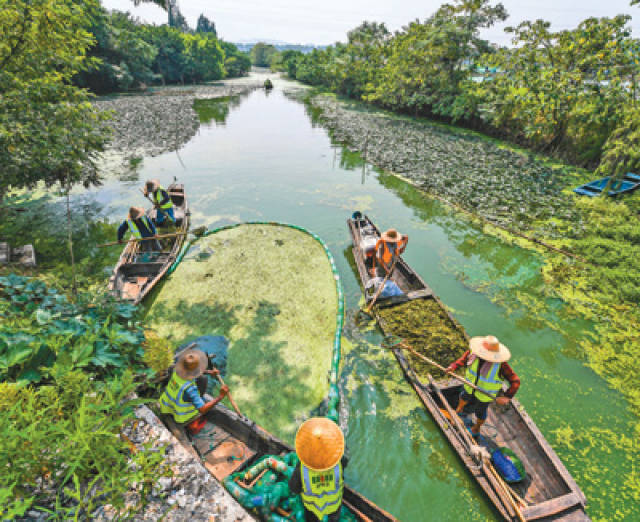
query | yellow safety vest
[171, 401]
[322, 490]
[158, 196]
[133, 228]
[491, 384]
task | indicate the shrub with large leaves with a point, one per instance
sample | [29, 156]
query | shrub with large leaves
[42, 332]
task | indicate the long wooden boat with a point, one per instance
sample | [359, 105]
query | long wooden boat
[229, 443]
[550, 492]
[137, 273]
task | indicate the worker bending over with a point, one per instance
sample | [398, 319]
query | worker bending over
[182, 397]
[318, 477]
[390, 246]
[486, 363]
[140, 226]
[161, 201]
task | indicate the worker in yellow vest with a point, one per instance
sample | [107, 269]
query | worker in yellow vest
[182, 397]
[161, 201]
[390, 246]
[140, 226]
[318, 478]
[486, 367]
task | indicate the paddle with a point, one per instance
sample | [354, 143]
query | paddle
[403, 345]
[136, 239]
[146, 195]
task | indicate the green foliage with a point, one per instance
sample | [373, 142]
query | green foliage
[48, 129]
[568, 93]
[43, 334]
[236, 63]
[204, 25]
[63, 440]
[203, 58]
[262, 54]
[158, 353]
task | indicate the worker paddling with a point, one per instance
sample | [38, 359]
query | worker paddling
[161, 201]
[318, 477]
[486, 367]
[389, 247]
[182, 398]
[140, 227]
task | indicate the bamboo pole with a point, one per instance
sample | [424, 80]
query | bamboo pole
[137, 240]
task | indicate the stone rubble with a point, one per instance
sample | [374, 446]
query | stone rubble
[192, 493]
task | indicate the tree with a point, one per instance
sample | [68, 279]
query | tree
[428, 63]
[49, 132]
[262, 53]
[205, 25]
[170, 60]
[236, 63]
[204, 58]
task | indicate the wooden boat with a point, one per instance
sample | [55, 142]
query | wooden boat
[136, 273]
[628, 183]
[550, 493]
[229, 443]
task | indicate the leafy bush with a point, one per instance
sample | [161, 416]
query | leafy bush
[43, 334]
[61, 450]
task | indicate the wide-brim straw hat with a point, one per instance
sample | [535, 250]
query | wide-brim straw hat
[391, 236]
[136, 212]
[191, 364]
[319, 443]
[489, 349]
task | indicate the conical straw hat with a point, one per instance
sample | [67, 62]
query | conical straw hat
[489, 349]
[319, 443]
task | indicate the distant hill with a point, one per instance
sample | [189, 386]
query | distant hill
[245, 46]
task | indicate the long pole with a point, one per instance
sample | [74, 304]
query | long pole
[146, 195]
[405, 346]
[381, 288]
[137, 239]
[233, 403]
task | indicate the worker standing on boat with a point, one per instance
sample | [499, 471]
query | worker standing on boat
[161, 200]
[183, 396]
[140, 226]
[486, 363]
[318, 478]
[390, 245]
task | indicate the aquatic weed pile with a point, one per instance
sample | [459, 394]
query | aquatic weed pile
[504, 186]
[271, 292]
[427, 329]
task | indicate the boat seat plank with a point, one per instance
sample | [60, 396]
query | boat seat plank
[419, 294]
[551, 507]
[227, 457]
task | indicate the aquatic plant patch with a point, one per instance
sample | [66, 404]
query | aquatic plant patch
[429, 330]
[271, 292]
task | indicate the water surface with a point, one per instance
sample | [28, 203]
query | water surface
[262, 158]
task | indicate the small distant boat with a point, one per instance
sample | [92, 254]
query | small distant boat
[628, 183]
[135, 275]
[549, 490]
[227, 435]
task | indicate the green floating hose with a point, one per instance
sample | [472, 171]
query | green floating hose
[271, 491]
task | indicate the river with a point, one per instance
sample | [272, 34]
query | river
[261, 157]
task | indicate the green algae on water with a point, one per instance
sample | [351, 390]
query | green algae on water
[429, 330]
[270, 291]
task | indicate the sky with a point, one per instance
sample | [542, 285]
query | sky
[327, 21]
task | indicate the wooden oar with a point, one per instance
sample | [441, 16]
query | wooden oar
[381, 287]
[136, 239]
[146, 195]
[405, 346]
[233, 403]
